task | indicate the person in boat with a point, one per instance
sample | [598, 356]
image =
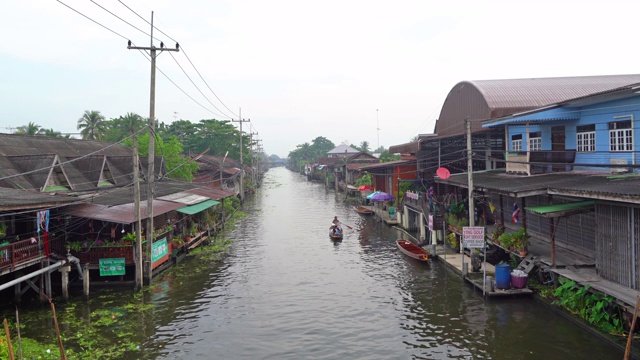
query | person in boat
[335, 221]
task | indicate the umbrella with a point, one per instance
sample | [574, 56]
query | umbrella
[382, 197]
[365, 187]
[372, 194]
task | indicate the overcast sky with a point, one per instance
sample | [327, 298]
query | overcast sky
[298, 69]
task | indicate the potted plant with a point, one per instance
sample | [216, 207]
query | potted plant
[177, 242]
[452, 241]
[520, 241]
[129, 238]
[506, 240]
[3, 230]
[495, 235]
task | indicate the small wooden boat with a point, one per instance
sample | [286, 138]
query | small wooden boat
[363, 210]
[336, 235]
[412, 250]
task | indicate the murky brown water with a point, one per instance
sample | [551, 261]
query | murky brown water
[287, 292]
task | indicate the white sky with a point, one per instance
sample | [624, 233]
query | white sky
[298, 69]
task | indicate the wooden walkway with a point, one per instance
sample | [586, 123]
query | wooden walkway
[455, 261]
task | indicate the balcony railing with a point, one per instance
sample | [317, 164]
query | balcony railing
[540, 162]
[14, 254]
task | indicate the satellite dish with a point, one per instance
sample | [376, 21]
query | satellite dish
[443, 173]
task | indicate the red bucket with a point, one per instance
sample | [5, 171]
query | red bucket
[518, 282]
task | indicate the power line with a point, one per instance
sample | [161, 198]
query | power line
[192, 64]
[85, 16]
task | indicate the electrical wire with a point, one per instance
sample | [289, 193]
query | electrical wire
[189, 59]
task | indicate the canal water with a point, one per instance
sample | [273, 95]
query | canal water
[286, 291]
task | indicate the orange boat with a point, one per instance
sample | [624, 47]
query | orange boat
[412, 250]
[363, 210]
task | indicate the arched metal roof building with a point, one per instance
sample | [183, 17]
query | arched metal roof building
[487, 99]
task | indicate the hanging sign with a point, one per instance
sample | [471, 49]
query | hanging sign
[159, 250]
[111, 266]
[473, 237]
[430, 222]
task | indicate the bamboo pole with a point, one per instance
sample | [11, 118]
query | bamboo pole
[627, 351]
[19, 337]
[6, 330]
[55, 322]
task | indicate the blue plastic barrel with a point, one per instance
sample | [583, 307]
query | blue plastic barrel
[503, 276]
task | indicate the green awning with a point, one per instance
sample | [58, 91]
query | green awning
[559, 210]
[194, 209]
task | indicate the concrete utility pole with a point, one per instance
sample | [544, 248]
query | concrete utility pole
[472, 213]
[253, 166]
[151, 173]
[241, 120]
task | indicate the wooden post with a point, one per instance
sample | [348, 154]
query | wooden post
[55, 323]
[6, 330]
[627, 351]
[65, 282]
[85, 280]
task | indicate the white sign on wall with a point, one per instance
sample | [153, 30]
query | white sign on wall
[473, 237]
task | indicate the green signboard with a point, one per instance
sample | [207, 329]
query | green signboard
[159, 249]
[111, 266]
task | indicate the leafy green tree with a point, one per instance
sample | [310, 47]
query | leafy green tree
[385, 156]
[364, 146]
[123, 126]
[50, 133]
[29, 129]
[379, 150]
[91, 125]
[178, 167]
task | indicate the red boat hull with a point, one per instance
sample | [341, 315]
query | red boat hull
[412, 250]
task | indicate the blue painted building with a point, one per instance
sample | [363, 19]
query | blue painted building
[594, 133]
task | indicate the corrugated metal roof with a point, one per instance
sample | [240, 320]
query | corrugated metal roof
[12, 199]
[556, 210]
[576, 183]
[342, 149]
[123, 214]
[407, 148]
[194, 209]
[214, 194]
[387, 164]
[524, 121]
[184, 197]
[487, 99]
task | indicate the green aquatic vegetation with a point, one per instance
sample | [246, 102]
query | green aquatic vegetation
[111, 324]
[597, 309]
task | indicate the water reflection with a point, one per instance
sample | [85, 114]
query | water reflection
[286, 291]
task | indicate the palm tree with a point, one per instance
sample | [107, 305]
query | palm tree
[91, 125]
[50, 133]
[364, 146]
[30, 129]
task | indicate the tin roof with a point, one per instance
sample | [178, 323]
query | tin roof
[598, 186]
[123, 214]
[12, 199]
[488, 99]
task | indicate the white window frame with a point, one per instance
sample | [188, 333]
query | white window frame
[620, 140]
[535, 143]
[586, 141]
[516, 145]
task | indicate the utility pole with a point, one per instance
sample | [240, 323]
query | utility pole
[151, 173]
[472, 212]
[378, 128]
[253, 166]
[241, 120]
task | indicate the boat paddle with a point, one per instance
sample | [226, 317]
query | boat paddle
[350, 227]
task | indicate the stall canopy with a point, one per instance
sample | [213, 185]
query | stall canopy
[194, 209]
[561, 210]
